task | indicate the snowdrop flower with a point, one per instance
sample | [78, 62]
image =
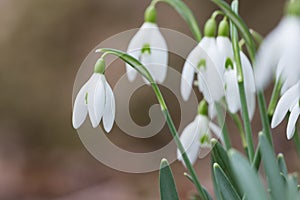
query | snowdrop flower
[197, 134]
[205, 61]
[279, 53]
[232, 95]
[95, 98]
[290, 101]
[150, 48]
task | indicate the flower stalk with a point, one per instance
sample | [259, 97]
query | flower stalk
[135, 64]
[236, 49]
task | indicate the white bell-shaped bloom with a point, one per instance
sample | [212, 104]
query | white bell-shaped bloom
[197, 135]
[150, 48]
[280, 53]
[205, 61]
[96, 98]
[288, 102]
[232, 95]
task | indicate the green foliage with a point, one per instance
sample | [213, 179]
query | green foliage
[187, 15]
[226, 189]
[166, 182]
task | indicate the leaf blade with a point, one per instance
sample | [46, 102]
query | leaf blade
[167, 185]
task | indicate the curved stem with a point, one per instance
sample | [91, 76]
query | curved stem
[274, 97]
[185, 13]
[144, 72]
[221, 121]
[236, 119]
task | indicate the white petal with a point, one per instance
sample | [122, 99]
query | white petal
[190, 141]
[203, 87]
[188, 72]
[232, 92]
[157, 62]
[212, 110]
[289, 98]
[225, 48]
[80, 107]
[292, 121]
[268, 55]
[250, 104]
[247, 73]
[109, 110]
[217, 131]
[96, 99]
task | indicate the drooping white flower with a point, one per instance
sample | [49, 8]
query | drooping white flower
[280, 53]
[290, 101]
[95, 98]
[232, 95]
[197, 135]
[205, 61]
[150, 48]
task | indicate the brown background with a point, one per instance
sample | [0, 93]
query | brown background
[42, 44]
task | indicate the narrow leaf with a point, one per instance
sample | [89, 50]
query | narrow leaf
[282, 164]
[246, 177]
[226, 188]
[219, 155]
[274, 179]
[167, 185]
[292, 187]
[187, 15]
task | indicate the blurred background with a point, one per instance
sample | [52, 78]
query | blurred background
[42, 44]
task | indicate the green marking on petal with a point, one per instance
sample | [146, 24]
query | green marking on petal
[201, 64]
[229, 64]
[146, 49]
[204, 139]
[86, 98]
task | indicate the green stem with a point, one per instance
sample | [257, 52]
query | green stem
[264, 115]
[257, 158]
[236, 119]
[221, 121]
[181, 148]
[138, 66]
[245, 115]
[274, 98]
[185, 13]
[244, 30]
[247, 123]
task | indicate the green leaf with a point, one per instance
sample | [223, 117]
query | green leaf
[292, 187]
[219, 155]
[226, 188]
[130, 60]
[282, 164]
[246, 177]
[216, 186]
[167, 185]
[240, 24]
[187, 15]
[274, 178]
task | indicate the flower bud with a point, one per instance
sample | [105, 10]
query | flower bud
[210, 28]
[223, 29]
[150, 14]
[100, 66]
